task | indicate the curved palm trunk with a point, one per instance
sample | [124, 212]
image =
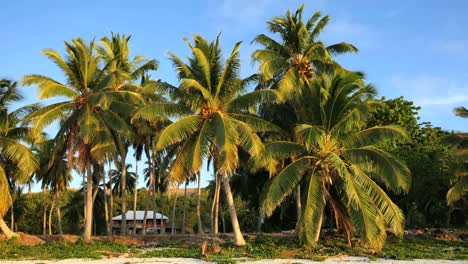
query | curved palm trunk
[213, 202]
[215, 206]
[135, 197]
[111, 200]
[106, 208]
[232, 211]
[51, 212]
[174, 211]
[123, 184]
[44, 215]
[148, 194]
[4, 227]
[89, 205]
[59, 217]
[185, 207]
[200, 224]
[12, 216]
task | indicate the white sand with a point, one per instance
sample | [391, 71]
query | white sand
[345, 260]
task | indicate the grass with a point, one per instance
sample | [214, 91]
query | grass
[256, 248]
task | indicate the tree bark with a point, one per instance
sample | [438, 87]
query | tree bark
[123, 185]
[216, 209]
[185, 207]
[148, 194]
[162, 223]
[4, 227]
[239, 239]
[44, 215]
[222, 217]
[111, 200]
[89, 205]
[50, 213]
[135, 197]
[59, 216]
[106, 208]
[200, 224]
[12, 216]
[298, 202]
[174, 211]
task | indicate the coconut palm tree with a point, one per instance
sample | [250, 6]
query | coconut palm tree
[87, 122]
[298, 54]
[17, 162]
[291, 61]
[123, 70]
[339, 162]
[215, 119]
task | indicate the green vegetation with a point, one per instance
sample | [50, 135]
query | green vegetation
[256, 248]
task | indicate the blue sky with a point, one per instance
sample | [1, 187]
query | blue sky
[417, 49]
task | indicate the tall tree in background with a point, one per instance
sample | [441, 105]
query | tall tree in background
[339, 161]
[17, 162]
[215, 118]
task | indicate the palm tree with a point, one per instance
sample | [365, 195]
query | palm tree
[216, 121]
[460, 185]
[123, 70]
[298, 54]
[461, 112]
[116, 175]
[17, 162]
[87, 122]
[291, 62]
[339, 163]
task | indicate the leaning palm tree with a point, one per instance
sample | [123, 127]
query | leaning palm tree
[298, 54]
[87, 122]
[339, 162]
[215, 119]
[17, 162]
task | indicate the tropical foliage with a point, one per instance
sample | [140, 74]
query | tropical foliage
[302, 135]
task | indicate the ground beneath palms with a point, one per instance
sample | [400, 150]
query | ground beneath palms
[344, 260]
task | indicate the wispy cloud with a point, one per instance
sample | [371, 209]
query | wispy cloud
[431, 91]
[341, 29]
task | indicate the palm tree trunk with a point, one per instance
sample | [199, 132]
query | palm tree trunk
[135, 197]
[44, 214]
[106, 209]
[153, 193]
[213, 206]
[232, 211]
[185, 207]
[222, 217]
[148, 194]
[298, 202]
[123, 185]
[111, 200]
[50, 214]
[216, 201]
[89, 205]
[261, 218]
[59, 216]
[162, 223]
[200, 224]
[4, 228]
[12, 216]
[174, 210]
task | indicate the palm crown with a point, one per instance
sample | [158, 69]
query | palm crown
[298, 55]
